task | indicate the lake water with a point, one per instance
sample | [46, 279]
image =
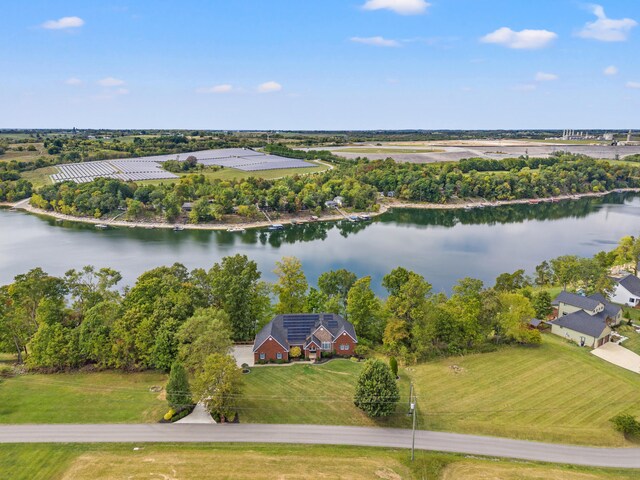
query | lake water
[444, 246]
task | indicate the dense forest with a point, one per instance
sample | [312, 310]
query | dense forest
[84, 319]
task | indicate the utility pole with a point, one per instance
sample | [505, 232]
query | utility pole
[412, 401]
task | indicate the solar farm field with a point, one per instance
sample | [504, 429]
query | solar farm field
[150, 168]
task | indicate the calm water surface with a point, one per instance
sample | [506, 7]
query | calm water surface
[441, 245]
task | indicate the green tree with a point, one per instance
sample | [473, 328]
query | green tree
[543, 274]
[513, 319]
[291, 287]
[236, 288]
[364, 310]
[393, 365]
[218, 384]
[205, 333]
[541, 303]
[627, 425]
[511, 282]
[628, 251]
[178, 389]
[336, 284]
[377, 392]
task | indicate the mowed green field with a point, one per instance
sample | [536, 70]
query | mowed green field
[40, 176]
[99, 397]
[315, 394]
[262, 462]
[233, 174]
[557, 392]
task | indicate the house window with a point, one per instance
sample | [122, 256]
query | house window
[344, 347]
[326, 345]
[262, 356]
[279, 356]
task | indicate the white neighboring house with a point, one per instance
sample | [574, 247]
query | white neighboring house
[627, 291]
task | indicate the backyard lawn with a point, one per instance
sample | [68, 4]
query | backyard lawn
[261, 462]
[100, 397]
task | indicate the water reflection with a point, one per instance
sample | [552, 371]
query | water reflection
[443, 245]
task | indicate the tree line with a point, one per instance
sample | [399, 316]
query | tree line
[82, 318]
[358, 182]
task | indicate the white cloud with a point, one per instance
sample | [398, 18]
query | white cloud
[122, 91]
[269, 87]
[607, 29]
[223, 88]
[376, 41]
[546, 77]
[610, 70]
[524, 39]
[110, 82]
[634, 85]
[402, 7]
[527, 87]
[73, 81]
[62, 23]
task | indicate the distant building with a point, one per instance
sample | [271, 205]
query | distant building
[627, 291]
[586, 321]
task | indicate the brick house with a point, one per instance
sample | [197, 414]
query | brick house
[314, 333]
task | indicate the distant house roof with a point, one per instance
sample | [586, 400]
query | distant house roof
[582, 322]
[587, 303]
[187, 205]
[631, 283]
[297, 329]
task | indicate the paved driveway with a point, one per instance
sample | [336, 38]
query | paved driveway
[618, 355]
[243, 354]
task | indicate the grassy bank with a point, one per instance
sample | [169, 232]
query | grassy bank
[261, 462]
[101, 397]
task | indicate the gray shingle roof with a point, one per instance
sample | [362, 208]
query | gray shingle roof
[631, 283]
[582, 322]
[295, 329]
[578, 301]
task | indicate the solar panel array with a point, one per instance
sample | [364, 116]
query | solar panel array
[298, 327]
[126, 170]
[149, 168]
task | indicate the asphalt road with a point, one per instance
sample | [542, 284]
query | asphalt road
[322, 434]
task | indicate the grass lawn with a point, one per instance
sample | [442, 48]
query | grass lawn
[633, 343]
[98, 397]
[317, 394]
[634, 313]
[40, 176]
[556, 393]
[232, 173]
[261, 462]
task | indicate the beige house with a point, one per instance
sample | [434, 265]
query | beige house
[586, 321]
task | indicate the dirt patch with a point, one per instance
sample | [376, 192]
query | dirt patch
[487, 471]
[215, 464]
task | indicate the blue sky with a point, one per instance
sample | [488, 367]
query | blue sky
[320, 64]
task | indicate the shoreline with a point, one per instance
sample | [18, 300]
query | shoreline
[389, 204]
